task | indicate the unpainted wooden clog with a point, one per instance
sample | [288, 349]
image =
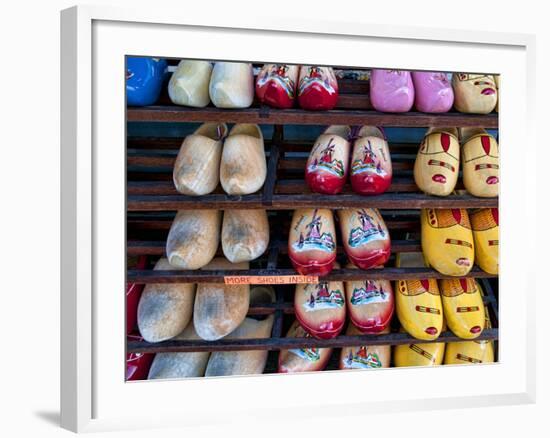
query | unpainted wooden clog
[164, 309]
[245, 234]
[188, 85]
[180, 365]
[197, 167]
[193, 238]
[232, 85]
[220, 308]
[243, 167]
[245, 362]
[327, 164]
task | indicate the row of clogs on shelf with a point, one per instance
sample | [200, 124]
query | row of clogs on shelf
[449, 243]
[436, 166]
[196, 83]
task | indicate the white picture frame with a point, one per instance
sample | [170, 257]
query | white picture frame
[94, 41]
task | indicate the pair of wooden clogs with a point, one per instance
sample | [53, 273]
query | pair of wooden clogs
[226, 84]
[396, 91]
[328, 164]
[203, 162]
[220, 363]
[312, 239]
[436, 353]
[165, 309]
[280, 85]
[316, 359]
[194, 236]
[438, 160]
[451, 243]
[321, 308]
[424, 305]
[144, 79]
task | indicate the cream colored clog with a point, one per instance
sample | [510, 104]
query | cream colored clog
[193, 238]
[196, 170]
[188, 85]
[164, 310]
[480, 162]
[474, 93]
[232, 85]
[245, 234]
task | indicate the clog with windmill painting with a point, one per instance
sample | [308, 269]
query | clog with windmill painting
[276, 85]
[317, 88]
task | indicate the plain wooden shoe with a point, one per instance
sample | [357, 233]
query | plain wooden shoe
[321, 308]
[243, 166]
[164, 310]
[197, 167]
[276, 85]
[232, 85]
[418, 302]
[220, 308]
[486, 239]
[437, 162]
[371, 169]
[480, 162]
[193, 238]
[327, 164]
[463, 307]
[391, 91]
[180, 365]
[312, 241]
[318, 88]
[188, 85]
[365, 236]
[447, 240]
[474, 93]
[240, 363]
[245, 234]
[302, 359]
[364, 357]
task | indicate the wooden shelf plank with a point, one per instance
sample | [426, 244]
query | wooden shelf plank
[264, 115]
[395, 201]
[288, 343]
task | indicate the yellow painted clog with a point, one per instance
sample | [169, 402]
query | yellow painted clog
[418, 355]
[418, 302]
[485, 230]
[447, 240]
[480, 162]
[463, 307]
[471, 352]
[437, 162]
[474, 93]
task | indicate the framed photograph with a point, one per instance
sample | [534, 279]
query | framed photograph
[298, 223]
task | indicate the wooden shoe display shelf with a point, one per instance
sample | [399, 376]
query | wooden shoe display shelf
[152, 202]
